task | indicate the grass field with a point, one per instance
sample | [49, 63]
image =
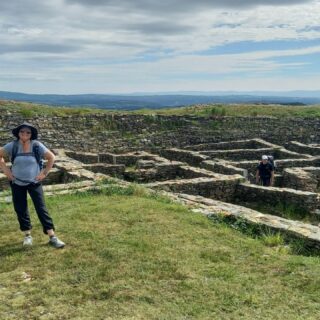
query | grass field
[134, 256]
[216, 110]
[27, 109]
[240, 110]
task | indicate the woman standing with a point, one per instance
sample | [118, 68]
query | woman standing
[25, 176]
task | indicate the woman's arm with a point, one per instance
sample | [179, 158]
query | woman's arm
[257, 176]
[272, 178]
[3, 165]
[49, 156]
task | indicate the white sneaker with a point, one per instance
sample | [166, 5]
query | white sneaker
[27, 241]
[56, 242]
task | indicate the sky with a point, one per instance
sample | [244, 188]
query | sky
[104, 46]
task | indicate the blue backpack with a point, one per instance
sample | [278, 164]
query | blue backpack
[271, 160]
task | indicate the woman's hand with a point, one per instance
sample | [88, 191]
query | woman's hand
[41, 176]
[9, 175]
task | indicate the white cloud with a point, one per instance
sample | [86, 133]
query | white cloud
[68, 41]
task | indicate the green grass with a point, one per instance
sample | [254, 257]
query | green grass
[240, 110]
[131, 255]
[273, 239]
[28, 110]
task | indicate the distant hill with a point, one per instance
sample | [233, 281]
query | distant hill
[163, 100]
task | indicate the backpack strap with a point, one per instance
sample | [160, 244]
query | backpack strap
[14, 151]
[37, 155]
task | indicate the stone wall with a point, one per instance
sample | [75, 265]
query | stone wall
[158, 172]
[108, 169]
[219, 187]
[186, 172]
[257, 220]
[4, 183]
[303, 148]
[253, 154]
[239, 154]
[232, 145]
[223, 168]
[122, 132]
[55, 176]
[251, 166]
[271, 196]
[85, 157]
[191, 157]
[137, 158]
[169, 170]
[307, 179]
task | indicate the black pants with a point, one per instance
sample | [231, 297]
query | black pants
[266, 181]
[19, 197]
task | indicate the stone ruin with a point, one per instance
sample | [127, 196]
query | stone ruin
[215, 179]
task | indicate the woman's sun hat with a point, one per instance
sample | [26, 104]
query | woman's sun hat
[34, 131]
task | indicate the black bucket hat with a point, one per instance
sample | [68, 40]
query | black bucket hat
[34, 131]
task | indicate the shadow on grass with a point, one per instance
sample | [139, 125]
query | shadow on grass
[7, 249]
